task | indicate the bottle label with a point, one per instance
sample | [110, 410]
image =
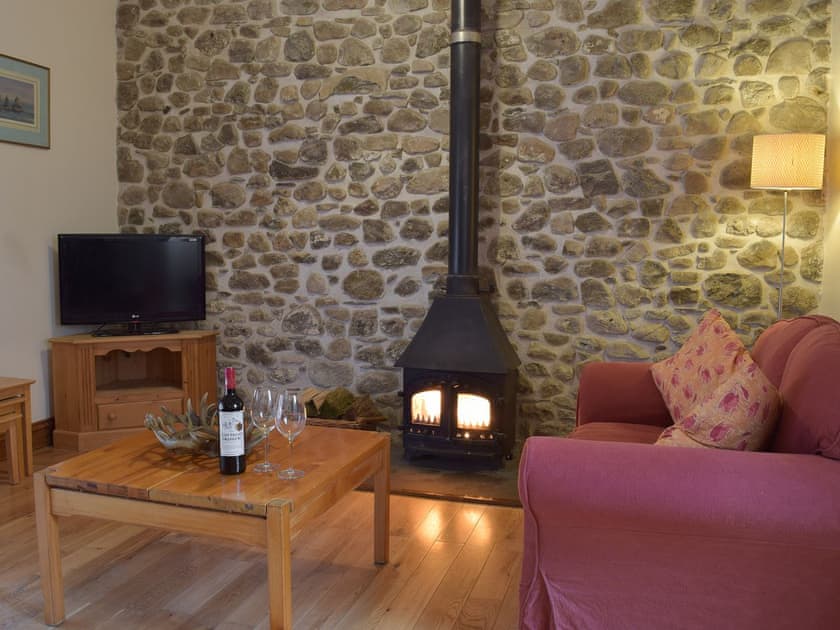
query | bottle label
[231, 433]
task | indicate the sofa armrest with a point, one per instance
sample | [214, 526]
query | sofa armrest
[636, 535]
[620, 392]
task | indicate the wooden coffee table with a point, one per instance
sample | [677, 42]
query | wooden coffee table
[137, 481]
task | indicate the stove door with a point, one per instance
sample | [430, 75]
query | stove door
[472, 411]
[426, 406]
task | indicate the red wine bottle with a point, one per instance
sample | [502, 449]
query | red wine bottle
[231, 428]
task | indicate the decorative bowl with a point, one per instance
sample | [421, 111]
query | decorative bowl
[195, 432]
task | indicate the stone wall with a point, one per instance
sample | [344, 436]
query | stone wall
[307, 139]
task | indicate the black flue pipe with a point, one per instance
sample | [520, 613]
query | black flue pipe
[465, 59]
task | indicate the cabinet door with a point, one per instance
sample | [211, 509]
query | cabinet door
[198, 367]
[74, 387]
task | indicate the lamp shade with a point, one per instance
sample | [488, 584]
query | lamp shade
[788, 161]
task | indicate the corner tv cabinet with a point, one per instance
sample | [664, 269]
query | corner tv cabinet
[104, 386]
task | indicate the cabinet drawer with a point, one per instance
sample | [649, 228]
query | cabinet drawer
[11, 405]
[128, 415]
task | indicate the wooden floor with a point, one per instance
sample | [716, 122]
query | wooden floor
[453, 565]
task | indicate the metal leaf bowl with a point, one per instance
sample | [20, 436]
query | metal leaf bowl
[195, 432]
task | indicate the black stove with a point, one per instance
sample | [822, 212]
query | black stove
[459, 371]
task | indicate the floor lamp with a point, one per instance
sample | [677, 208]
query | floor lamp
[787, 161]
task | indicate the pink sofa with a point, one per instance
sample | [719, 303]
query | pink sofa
[623, 534]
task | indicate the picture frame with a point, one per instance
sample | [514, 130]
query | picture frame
[24, 102]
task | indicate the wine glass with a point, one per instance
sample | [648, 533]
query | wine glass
[290, 422]
[264, 410]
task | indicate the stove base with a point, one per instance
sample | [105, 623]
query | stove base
[468, 451]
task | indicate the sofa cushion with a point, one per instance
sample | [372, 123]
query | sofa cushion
[740, 414]
[617, 432]
[704, 361]
[810, 418]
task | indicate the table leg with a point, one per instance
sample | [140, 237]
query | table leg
[49, 553]
[26, 438]
[279, 559]
[382, 508]
[14, 453]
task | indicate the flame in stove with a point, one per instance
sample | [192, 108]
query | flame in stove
[425, 407]
[473, 412]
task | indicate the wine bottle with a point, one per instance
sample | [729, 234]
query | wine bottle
[231, 428]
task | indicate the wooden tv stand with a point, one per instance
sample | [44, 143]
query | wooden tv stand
[104, 386]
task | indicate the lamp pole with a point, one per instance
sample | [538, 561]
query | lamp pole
[782, 254]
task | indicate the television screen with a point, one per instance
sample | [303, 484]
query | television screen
[130, 278]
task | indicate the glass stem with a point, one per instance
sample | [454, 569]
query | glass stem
[266, 447]
[291, 465]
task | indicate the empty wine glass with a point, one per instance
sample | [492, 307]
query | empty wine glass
[290, 422]
[264, 410]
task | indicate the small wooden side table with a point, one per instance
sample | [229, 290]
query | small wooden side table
[15, 405]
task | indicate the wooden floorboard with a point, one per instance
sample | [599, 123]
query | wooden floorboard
[453, 565]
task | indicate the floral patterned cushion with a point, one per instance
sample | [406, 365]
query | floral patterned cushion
[741, 414]
[674, 436]
[706, 360]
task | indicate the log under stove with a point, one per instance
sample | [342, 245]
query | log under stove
[459, 371]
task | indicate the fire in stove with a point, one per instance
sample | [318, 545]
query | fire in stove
[471, 411]
[425, 407]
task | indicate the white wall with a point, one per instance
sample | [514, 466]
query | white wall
[830, 297]
[70, 187]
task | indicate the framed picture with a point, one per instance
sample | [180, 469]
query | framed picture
[24, 102]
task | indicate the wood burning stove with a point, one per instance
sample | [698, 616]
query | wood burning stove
[459, 371]
[459, 382]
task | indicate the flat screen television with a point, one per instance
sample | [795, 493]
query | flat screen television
[137, 281]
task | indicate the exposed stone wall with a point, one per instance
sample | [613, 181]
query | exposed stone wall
[307, 139]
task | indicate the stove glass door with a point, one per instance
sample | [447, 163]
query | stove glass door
[472, 412]
[426, 407]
